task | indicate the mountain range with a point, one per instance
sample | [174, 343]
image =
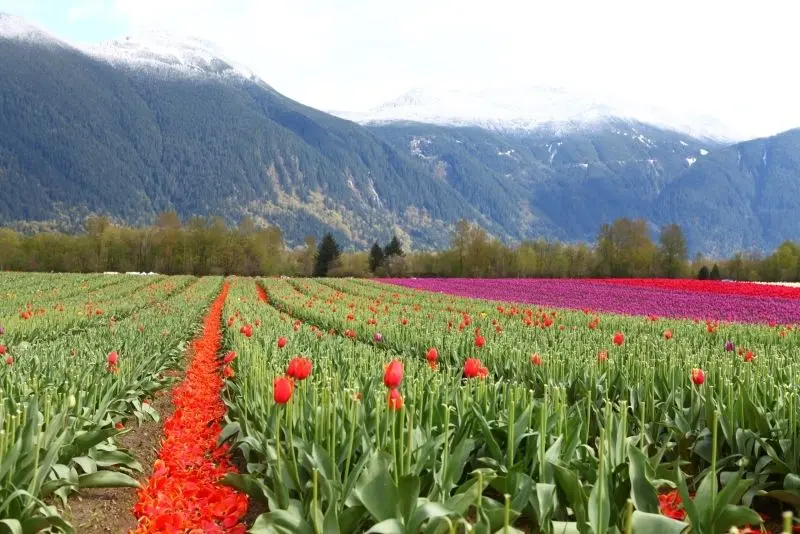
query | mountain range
[141, 125]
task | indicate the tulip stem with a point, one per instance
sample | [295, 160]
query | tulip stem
[507, 513]
[629, 517]
[510, 450]
[353, 414]
[314, 502]
[713, 473]
[290, 423]
[277, 478]
[394, 448]
[410, 446]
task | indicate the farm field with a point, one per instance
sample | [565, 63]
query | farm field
[340, 405]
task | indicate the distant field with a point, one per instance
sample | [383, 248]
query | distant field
[692, 299]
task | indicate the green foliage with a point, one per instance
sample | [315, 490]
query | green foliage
[715, 274]
[703, 274]
[207, 246]
[672, 251]
[624, 249]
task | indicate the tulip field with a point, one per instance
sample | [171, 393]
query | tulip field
[404, 406]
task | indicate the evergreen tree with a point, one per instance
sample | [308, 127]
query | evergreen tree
[394, 248]
[375, 257]
[715, 275]
[327, 253]
[703, 274]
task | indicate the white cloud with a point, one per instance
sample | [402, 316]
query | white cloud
[732, 59]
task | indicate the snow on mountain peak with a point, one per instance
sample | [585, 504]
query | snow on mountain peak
[14, 27]
[165, 53]
[530, 108]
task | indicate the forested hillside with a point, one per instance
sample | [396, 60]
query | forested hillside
[82, 134]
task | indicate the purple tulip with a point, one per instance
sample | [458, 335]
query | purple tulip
[729, 346]
[614, 298]
[2, 330]
[378, 337]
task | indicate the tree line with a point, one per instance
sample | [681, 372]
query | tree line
[204, 246]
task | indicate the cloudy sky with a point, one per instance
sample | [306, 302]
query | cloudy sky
[735, 60]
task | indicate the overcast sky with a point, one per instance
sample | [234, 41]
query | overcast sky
[734, 60]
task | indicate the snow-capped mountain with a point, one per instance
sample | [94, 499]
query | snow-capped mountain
[533, 108]
[157, 53]
[143, 124]
[17, 28]
[163, 53]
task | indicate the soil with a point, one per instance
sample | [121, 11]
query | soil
[111, 510]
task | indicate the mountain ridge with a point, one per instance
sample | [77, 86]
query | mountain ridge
[529, 109]
[81, 134]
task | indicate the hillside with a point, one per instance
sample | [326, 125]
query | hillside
[727, 198]
[79, 135]
[147, 124]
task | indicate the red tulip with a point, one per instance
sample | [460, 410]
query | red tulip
[119, 425]
[227, 372]
[471, 366]
[299, 368]
[432, 354]
[393, 375]
[536, 360]
[3, 349]
[670, 505]
[283, 387]
[748, 356]
[9, 360]
[698, 377]
[229, 357]
[619, 339]
[281, 342]
[668, 334]
[474, 368]
[395, 400]
[602, 356]
[112, 359]
[480, 341]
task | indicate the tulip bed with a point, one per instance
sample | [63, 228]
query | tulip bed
[693, 299]
[80, 357]
[359, 406]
